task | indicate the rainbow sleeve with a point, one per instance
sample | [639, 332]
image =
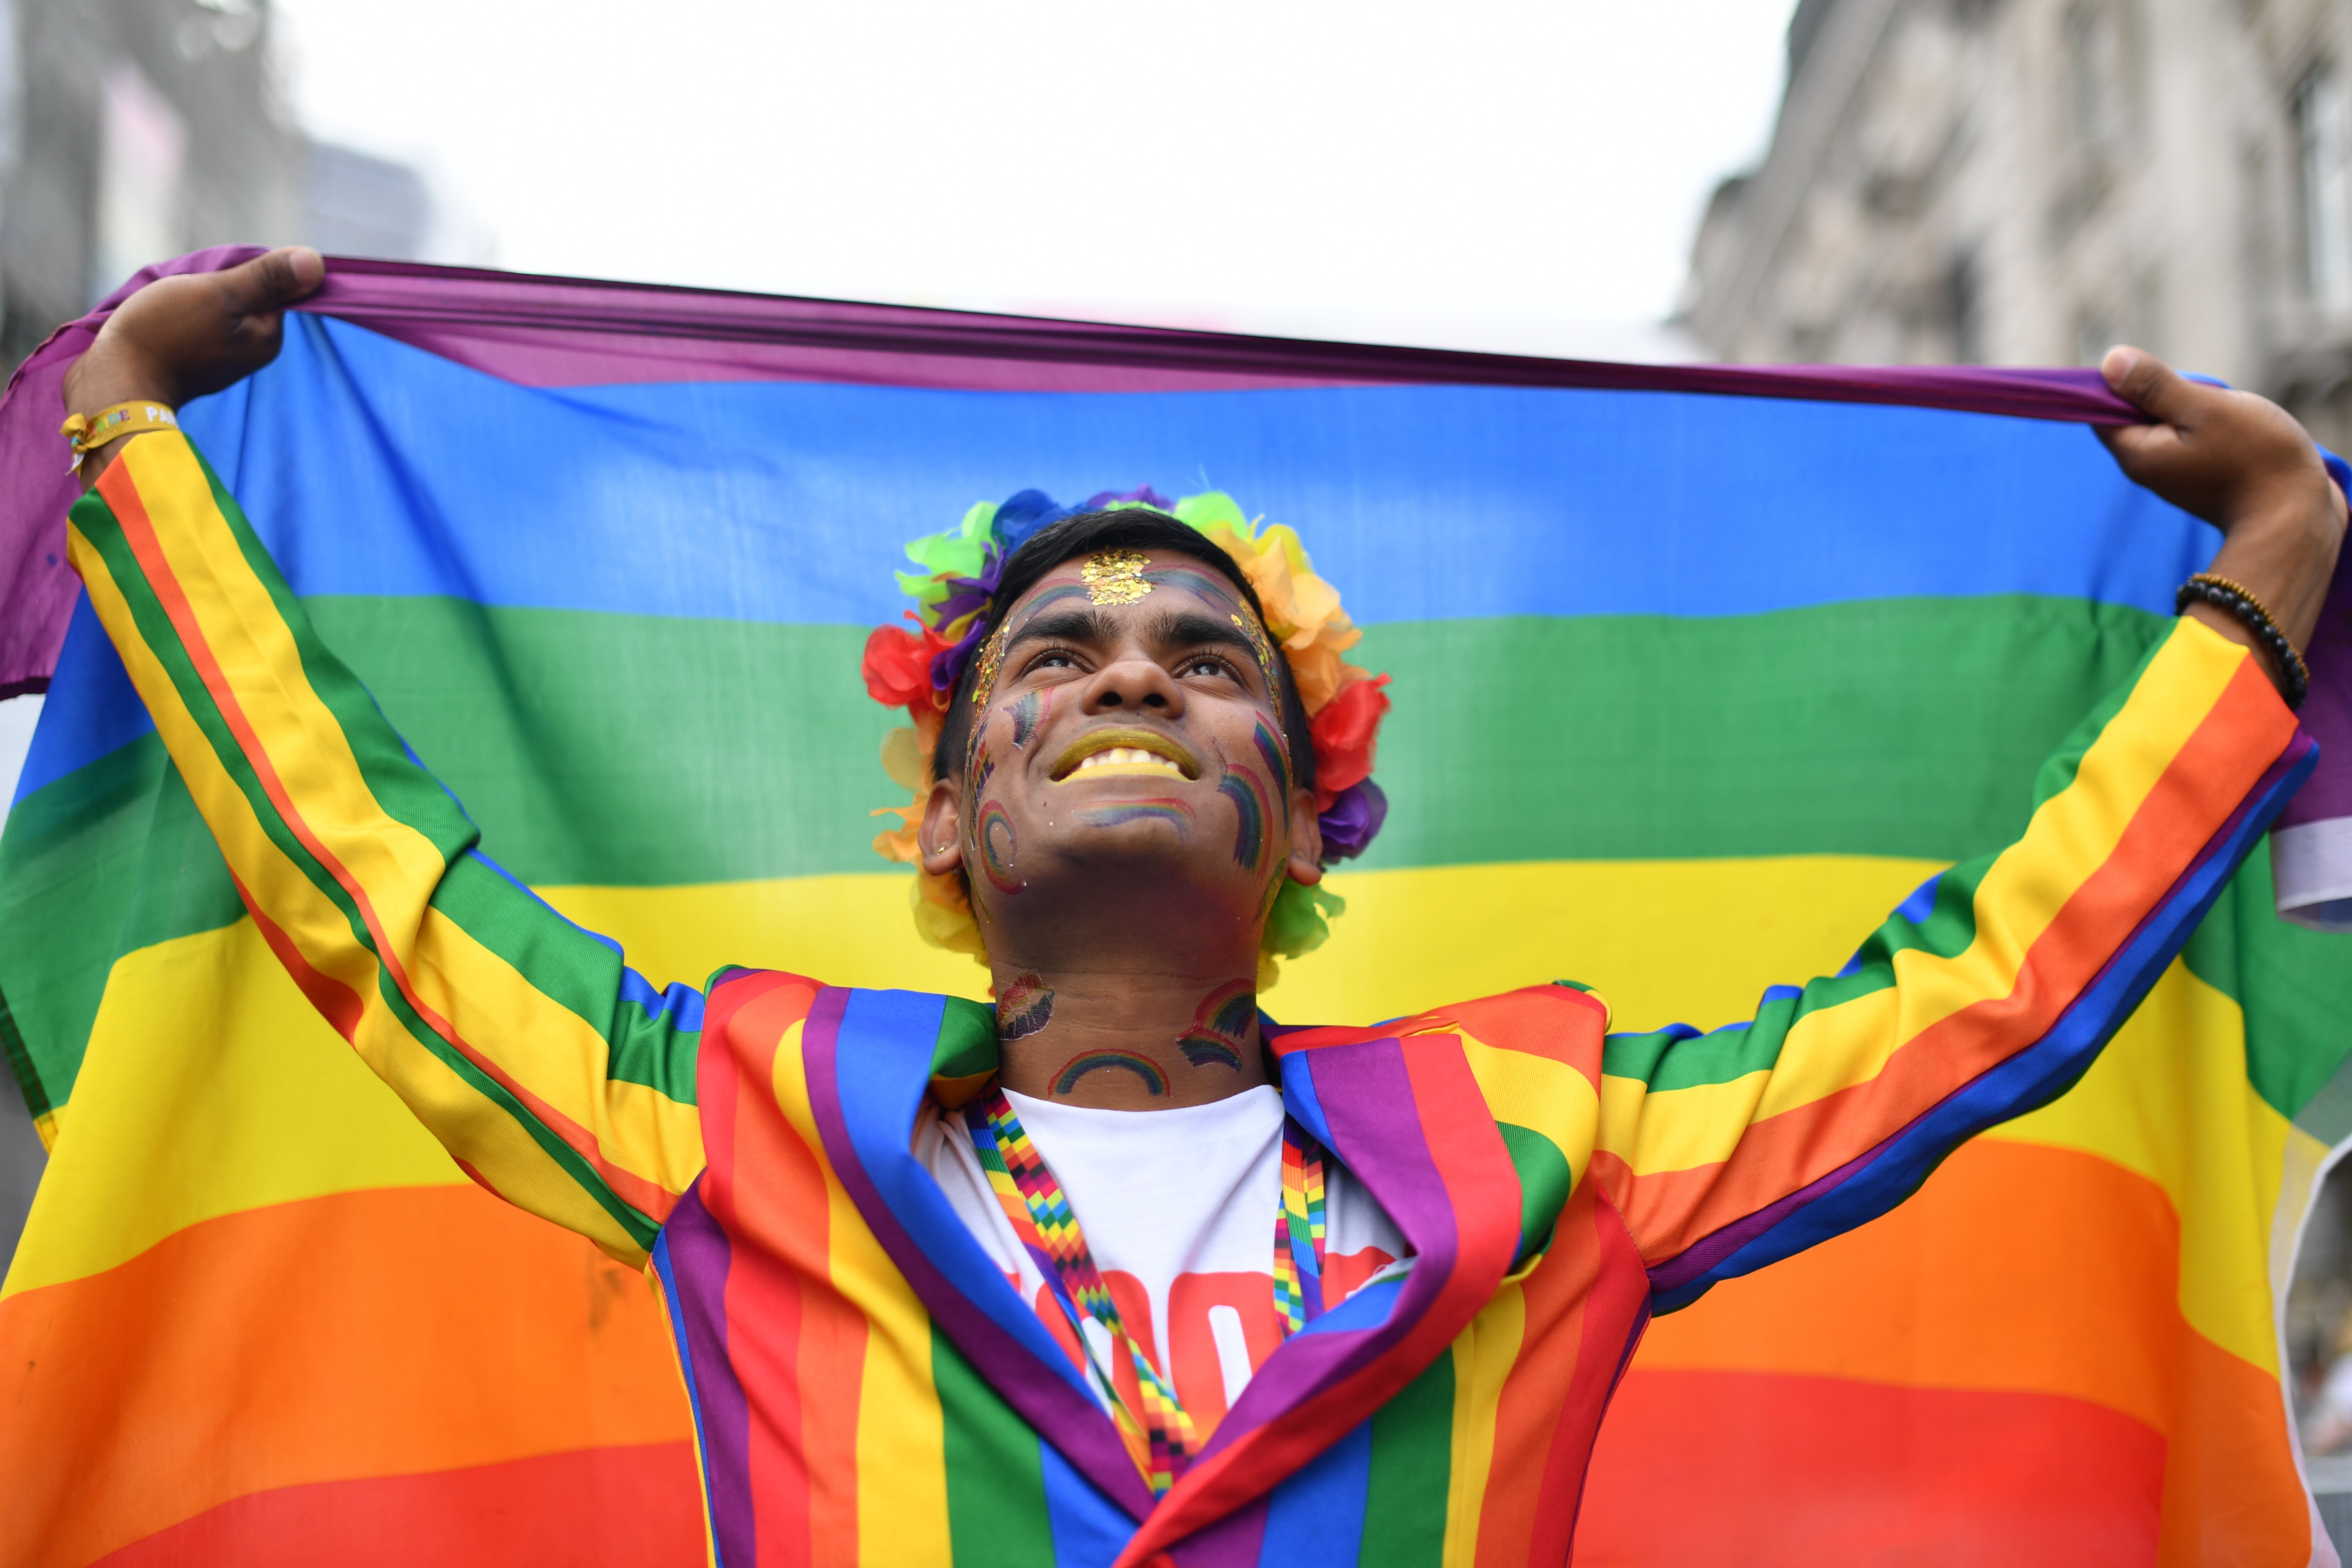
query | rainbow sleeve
[1987, 994]
[553, 1074]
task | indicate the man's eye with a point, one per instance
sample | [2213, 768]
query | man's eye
[1055, 659]
[1206, 666]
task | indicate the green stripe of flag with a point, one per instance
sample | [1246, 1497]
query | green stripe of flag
[639, 751]
[2294, 987]
[624, 750]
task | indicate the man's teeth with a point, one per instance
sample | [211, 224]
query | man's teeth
[1123, 756]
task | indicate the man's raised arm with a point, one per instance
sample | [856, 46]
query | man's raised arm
[1992, 988]
[553, 1074]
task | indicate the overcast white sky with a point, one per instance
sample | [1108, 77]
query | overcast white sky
[1501, 173]
[1521, 176]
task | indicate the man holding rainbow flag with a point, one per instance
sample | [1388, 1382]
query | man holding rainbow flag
[1205, 1265]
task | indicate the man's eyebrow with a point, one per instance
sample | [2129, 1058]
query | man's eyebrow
[1172, 628]
[1069, 625]
[1190, 628]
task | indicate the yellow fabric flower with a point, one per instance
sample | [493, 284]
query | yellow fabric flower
[1302, 610]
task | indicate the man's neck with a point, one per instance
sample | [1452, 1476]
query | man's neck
[1117, 1039]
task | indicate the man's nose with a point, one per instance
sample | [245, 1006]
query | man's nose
[1134, 682]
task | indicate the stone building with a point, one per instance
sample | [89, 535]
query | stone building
[2023, 182]
[2026, 181]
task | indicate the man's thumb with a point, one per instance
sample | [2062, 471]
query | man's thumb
[277, 279]
[2148, 384]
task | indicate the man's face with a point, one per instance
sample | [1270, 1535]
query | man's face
[1130, 739]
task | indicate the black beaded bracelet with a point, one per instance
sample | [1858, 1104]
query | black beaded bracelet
[2224, 594]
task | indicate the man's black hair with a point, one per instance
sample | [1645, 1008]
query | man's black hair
[1121, 528]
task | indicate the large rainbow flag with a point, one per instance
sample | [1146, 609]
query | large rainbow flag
[1697, 673]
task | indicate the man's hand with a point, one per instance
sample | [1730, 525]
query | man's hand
[2242, 464]
[180, 338]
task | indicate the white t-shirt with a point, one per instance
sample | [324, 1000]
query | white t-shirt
[1179, 1209]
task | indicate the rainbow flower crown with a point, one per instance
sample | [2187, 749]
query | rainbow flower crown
[954, 598]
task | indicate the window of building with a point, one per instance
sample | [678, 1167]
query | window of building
[2323, 133]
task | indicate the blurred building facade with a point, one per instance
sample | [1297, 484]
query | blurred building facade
[2024, 182]
[2027, 182]
[134, 130]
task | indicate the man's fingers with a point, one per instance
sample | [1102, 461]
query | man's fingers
[2150, 384]
[271, 282]
[2129, 441]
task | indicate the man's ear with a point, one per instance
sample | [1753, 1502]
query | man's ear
[1306, 840]
[940, 838]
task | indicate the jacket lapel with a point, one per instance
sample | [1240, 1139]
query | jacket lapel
[1404, 1113]
[869, 1055]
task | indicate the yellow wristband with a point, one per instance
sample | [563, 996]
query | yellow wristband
[89, 432]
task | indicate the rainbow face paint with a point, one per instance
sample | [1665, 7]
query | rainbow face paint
[1206, 584]
[1025, 1007]
[1028, 711]
[998, 844]
[979, 768]
[1221, 1025]
[1048, 597]
[976, 755]
[1204, 1050]
[1277, 752]
[1247, 791]
[1116, 814]
[1155, 1082]
[1273, 886]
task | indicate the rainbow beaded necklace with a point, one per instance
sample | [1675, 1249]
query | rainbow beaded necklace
[1160, 1435]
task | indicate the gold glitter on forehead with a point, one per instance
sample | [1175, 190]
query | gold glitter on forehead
[1260, 647]
[1115, 576]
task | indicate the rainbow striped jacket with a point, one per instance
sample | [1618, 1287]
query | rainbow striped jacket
[869, 1388]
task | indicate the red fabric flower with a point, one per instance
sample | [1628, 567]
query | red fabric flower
[898, 666]
[1346, 734]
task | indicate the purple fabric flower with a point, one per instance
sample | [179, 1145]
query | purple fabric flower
[966, 595]
[1143, 493]
[1353, 821]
